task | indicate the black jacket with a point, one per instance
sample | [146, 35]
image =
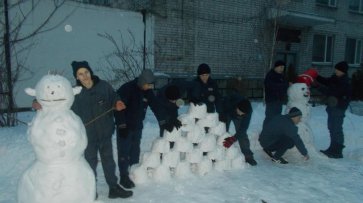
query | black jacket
[337, 87]
[275, 87]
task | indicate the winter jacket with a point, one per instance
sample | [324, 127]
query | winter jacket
[281, 126]
[94, 102]
[275, 87]
[137, 101]
[229, 110]
[206, 93]
[166, 109]
[337, 87]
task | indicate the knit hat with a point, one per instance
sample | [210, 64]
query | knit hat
[342, 66]
[294, 112]
[203, 69]
[279, 63]
[244, 106]
[172, 92]
[145, 77]
[76, 65]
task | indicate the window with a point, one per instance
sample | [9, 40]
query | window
[322, 48]
[353, 51]
[356, 5]
[331, 3]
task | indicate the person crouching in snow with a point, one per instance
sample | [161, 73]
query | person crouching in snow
[338, 90]
[238, 109]
[280, 134]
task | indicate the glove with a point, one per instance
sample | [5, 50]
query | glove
[229, 141]
[123, 130]
[173, 123]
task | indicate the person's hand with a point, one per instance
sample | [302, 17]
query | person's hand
[119, 106]
[229, 141]
[173, 123]
[122, 130]
[306, 157]
[36, 105]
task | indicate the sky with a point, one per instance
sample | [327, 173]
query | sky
[319, 179]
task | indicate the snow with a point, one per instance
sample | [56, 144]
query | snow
[318, 180]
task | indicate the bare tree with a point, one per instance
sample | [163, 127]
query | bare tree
[11, 65]
[125, 62]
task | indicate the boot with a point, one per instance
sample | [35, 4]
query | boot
[327, 151]
[126, 182]
[119, 192]
[335, 151]
[251, 161]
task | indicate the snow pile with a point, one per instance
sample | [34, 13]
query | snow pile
[60, 173]
[194, 149]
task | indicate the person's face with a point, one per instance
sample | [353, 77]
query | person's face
[279, 69]
[84, 76]
[296, 119]
[339, 73]
[147, 86]
[204, 77]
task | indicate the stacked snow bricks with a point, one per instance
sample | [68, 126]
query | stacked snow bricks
[196, 149]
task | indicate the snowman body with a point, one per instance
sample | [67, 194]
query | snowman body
[299, 96]
[60, 172]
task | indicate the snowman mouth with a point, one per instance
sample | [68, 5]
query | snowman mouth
[54, 100]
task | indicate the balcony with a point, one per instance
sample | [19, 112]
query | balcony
[297, 19]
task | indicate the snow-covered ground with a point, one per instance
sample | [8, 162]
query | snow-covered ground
[318, 180]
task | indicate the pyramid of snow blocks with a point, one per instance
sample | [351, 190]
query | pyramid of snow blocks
[197, 150]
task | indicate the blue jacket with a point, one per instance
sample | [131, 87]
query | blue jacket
[94, 102]
[229, 110]
[275, 87]
[137, 101]
[202, 92]
[277, 128]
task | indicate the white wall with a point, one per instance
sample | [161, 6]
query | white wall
[56, 49]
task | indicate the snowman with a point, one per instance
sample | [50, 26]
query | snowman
[299, 96]
[60, 172]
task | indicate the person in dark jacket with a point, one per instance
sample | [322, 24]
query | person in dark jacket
[338, 90]
[205, 90]
[275, 91]
[95, 105]
[169, 102]
[280, 134]
[137, 95]
[238, 109]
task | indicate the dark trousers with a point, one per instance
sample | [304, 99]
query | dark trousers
[104, 147]
[128, 149]
[281, 146]
[335, 125]
[272, 109]
[241, 126]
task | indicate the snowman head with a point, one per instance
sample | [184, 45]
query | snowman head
[298, 92]
[54, 92]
